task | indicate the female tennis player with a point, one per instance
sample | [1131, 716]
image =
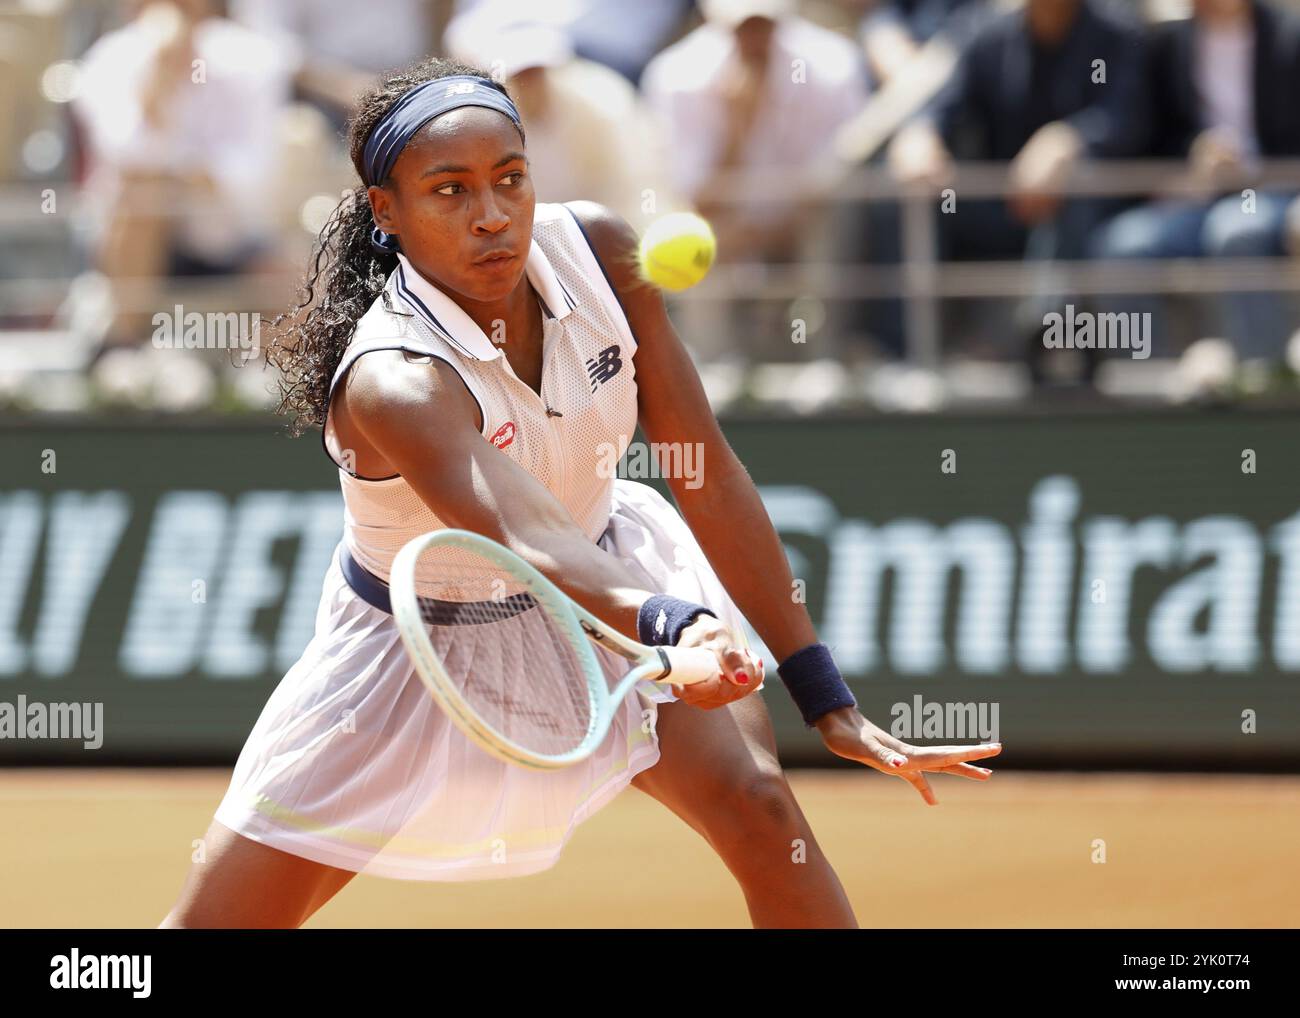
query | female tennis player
[470, 356]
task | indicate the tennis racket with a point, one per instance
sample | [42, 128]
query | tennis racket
[525, 684]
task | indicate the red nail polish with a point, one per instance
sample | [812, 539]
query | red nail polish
[742, 678]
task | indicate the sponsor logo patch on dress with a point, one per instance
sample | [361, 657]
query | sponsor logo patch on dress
[504, 435]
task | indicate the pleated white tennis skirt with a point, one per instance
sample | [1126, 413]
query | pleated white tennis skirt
[352, 764]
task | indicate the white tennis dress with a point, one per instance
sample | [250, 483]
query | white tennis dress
[351, 763]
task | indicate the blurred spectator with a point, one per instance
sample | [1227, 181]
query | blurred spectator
[1042, 88]
[179, 109]
[589, 136]
[755, 88]
[894, 30]
[621, 35]
[1227, 84]
[332, 59]
[625, 36]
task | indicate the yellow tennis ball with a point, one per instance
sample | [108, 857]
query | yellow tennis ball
[677, 250]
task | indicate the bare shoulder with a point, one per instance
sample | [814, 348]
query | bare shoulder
[670, 398]
[615, 243]
[613, 240]
[389, 390]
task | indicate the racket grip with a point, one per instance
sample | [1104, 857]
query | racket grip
[690, 665]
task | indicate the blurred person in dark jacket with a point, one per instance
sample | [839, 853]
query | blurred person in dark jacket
[1043, 88]
[1226, 83]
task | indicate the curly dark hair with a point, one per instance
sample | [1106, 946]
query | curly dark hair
[346, 273]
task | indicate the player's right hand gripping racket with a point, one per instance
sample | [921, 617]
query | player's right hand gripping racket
[508, 656]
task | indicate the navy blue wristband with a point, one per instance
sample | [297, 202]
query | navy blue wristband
[814, 682]
[662, 618]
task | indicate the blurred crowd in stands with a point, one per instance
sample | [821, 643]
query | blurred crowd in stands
[183, 154]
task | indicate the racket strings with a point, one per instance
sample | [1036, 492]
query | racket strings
[515, 664]
[439, 612]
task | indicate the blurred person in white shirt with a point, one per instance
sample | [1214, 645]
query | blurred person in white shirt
[589, 135]
[178, 109]
[755, 88]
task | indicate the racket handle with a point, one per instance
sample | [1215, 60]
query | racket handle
[690, 665]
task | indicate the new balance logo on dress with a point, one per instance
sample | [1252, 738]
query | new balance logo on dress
[604, 366]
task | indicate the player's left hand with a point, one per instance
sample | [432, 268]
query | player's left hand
[848, 734]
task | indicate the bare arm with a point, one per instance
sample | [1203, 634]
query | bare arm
[725, 512]
[413, 416]
[417, 414]
[727, 516]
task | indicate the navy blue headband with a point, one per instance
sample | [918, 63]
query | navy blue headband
[411, 112]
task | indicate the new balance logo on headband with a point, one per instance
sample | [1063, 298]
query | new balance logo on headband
[459, 88]
[604, 366]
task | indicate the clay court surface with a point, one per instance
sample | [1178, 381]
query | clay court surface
[106, 848]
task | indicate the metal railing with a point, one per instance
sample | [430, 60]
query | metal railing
[920, 279]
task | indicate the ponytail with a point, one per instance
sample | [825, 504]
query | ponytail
[350, 274]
